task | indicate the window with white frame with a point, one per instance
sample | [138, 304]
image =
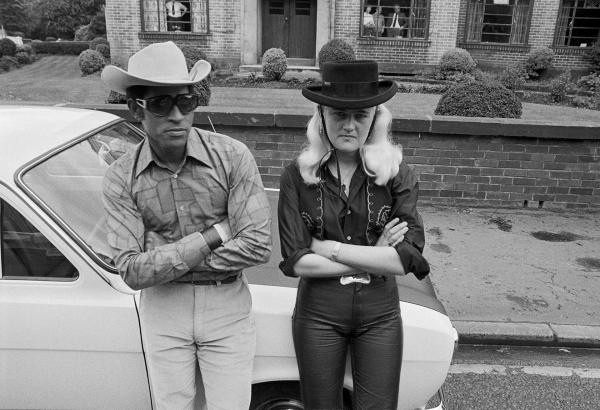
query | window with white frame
[498, 21]
[578, 23]
[180, 16]
[408, 19]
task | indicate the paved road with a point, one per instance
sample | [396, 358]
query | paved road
[523, 378]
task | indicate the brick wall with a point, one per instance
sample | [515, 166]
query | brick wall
[222, 43]
[541, 34]
[459, 161]
[466, 169]
[442, 35]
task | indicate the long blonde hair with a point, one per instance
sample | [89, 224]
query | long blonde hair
[380, 157]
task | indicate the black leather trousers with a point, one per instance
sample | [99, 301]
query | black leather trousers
[330, 318]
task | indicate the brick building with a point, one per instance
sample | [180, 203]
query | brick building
[234, 32]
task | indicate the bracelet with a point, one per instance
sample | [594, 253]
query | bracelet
[335, 251]
[212, 238]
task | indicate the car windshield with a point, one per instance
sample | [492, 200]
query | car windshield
[70, 183]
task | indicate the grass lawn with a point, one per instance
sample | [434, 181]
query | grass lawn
[57, 80]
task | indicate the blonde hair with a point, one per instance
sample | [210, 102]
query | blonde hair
[380, 157]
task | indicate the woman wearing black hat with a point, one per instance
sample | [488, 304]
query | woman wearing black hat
[348, 224]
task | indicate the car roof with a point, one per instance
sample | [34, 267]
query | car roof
[27, 132]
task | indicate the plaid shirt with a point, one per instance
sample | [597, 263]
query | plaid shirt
[219, 179]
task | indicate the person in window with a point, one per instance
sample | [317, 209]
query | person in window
[368, 23]
[379, 20]
[398, 23]
[348, 224]
[186, 212]
[176, 13]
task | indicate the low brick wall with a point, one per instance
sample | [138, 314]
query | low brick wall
[459, 161]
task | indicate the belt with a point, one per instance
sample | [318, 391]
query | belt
[189, 278]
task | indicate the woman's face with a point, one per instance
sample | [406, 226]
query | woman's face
[348, 129]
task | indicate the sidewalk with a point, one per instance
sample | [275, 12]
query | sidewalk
[498, 282]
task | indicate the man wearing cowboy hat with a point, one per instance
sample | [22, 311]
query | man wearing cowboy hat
[186, 213]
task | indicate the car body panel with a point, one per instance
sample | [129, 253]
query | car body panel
[77, 343]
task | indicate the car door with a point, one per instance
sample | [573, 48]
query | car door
[67, 338]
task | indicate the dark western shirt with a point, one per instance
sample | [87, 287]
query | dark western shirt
[307, 211]
[218, 179]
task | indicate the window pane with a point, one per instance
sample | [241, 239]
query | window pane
[578, 23]
[498, 21]
[379, 18]
[26, 253]
[70, 183]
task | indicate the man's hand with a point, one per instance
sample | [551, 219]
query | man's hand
[393, 233]
[153, 240]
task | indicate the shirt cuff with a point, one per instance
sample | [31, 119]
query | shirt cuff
[287, 265]
[412, 260]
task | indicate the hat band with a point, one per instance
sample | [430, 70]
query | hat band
[351, 90]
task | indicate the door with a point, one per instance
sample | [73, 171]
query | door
[290, 25]
[67, 338]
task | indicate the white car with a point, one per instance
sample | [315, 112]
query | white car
[69, 326]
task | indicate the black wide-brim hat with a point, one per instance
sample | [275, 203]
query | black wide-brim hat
[351, 85]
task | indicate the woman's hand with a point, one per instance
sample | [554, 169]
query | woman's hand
[393, 233]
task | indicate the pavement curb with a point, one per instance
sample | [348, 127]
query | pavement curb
[527, 334]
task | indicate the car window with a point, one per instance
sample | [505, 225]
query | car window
[69, 183]
[26, 253]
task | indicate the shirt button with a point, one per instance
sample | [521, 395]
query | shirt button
[182, 208]
[348, 212]
[175, 176]
[348, 237]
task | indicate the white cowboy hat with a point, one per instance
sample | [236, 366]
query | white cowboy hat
[159, 64]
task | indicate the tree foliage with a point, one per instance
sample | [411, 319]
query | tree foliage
[13, 15]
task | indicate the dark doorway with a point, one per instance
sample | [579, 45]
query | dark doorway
[290, 25]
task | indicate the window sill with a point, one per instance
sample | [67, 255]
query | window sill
[568, 50]
[390, 41]
[495, 47]
[170, 35]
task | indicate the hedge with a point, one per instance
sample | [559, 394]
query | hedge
[60, 47]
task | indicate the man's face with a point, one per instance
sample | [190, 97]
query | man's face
[397, 9]
[170, 132]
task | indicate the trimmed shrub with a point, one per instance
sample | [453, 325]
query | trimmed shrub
[559, 87]
[7, 63]
[7, 47]
[115, 97]
[60, 47]
[274, 64]
[479, 99]
[336, 50]
[538, 61]
[513, 77]
[98, 40]
[50, 39]
[22, 58]
[26, 48]
[457, 60]
[202, 89]
[104, 49]
[589, 83]
[192, 55]
[90, 61]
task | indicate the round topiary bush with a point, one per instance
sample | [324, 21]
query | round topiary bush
[115, 97]
[7, 47]
[91, 61]
[104, 49]
[98, 40]
[202, 89]
[538, 61]
[192, 55]
[457, 60]
[594, 54]
[25, 48]
[478, 99]
[7, 63]
[274, 64]
[22, 58]
[336, 50]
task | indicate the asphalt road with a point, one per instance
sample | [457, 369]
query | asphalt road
[500, 377]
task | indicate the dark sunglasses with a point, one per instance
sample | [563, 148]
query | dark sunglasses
[163, 104]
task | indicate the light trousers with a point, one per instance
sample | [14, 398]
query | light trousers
[186, 327]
